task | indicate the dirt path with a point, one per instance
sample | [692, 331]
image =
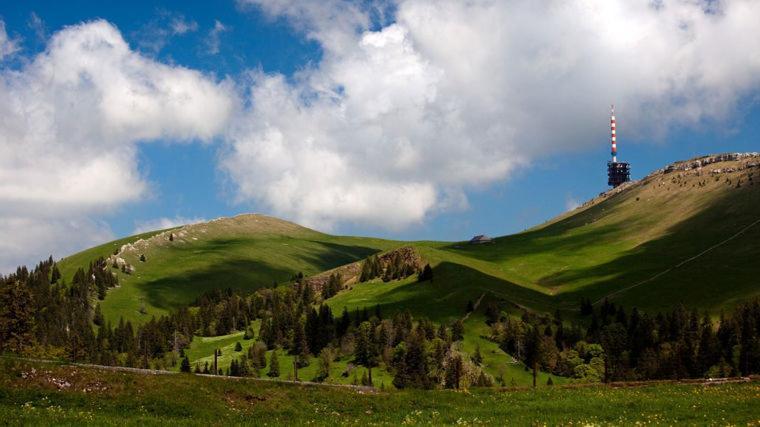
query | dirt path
[363, 389]
[680, 264]
[474, 306]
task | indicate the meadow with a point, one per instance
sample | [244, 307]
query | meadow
[44, 394]
[636, 247]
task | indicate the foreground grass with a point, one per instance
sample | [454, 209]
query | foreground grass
[54, 394]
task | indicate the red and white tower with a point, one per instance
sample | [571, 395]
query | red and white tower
[617, 172]
[613, 137]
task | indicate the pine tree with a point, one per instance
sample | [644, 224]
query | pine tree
[477, 358]
[457, 330]
[425, 274]
[454, 371]
[16, 317]
[185, 366]
[55, 275]
[97, 317]
[238, 346]
[274, 365]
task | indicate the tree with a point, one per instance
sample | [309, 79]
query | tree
[412, 367]
[185, 366]
[457, 330]
[477, 358]
[97, 317]
[238, 346]
[425, 274]
[16, 317]
[274, 365]
[326, 357]
[142, 258]
[55, 275]
[366, 350]
[454, 371]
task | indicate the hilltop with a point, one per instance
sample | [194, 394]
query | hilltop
[243, 252]
[684, 234]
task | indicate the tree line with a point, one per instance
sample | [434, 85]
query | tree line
[613, 344]
[43, 316]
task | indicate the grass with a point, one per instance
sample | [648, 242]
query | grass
[201, 351]
[616, 243]
[245, 252]
[97, 397]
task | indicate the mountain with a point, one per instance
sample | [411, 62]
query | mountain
[688, 233]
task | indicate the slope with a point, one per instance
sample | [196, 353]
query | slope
[243, 252]
[689, 233]
[685, 234]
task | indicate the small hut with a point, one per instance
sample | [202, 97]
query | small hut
[480, 240]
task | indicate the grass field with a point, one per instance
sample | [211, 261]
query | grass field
[53, 394]
[611, 247]
[244, 252]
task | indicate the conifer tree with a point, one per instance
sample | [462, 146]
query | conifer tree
[274, 365]
[185, 366]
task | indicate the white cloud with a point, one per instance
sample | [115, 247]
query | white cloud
[158, 32]
[70, 122]
[27, 240]
[164, 223]
[213, 40]
[397, 121]
[37, 25]
[8, 46]
[181, 26]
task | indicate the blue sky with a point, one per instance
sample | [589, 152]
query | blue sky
[534, 175]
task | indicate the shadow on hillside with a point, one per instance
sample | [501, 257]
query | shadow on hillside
[337, 254]
[237, 272]
[545, 239]
[453, 286]
[721, 277]
[180, 289]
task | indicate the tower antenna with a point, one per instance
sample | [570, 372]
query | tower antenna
[617, 172]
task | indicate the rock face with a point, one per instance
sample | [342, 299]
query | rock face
[350, 273]
[753, 160]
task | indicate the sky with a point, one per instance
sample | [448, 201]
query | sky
[406, 119]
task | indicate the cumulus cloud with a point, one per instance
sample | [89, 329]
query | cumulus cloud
[8, 46]
[164, 223]
[70, 122]
[27, 240]
[213, 40]
[397, 121]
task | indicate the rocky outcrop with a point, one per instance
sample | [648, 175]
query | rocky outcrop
[350, 273]
[753, 161]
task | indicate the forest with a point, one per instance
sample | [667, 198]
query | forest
[43, 316]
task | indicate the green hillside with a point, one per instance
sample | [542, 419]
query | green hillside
[243, 252]
[632, 245]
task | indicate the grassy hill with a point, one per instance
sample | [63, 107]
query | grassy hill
[243, 252]
[687, 234]
[43, 394]
[632, 245]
